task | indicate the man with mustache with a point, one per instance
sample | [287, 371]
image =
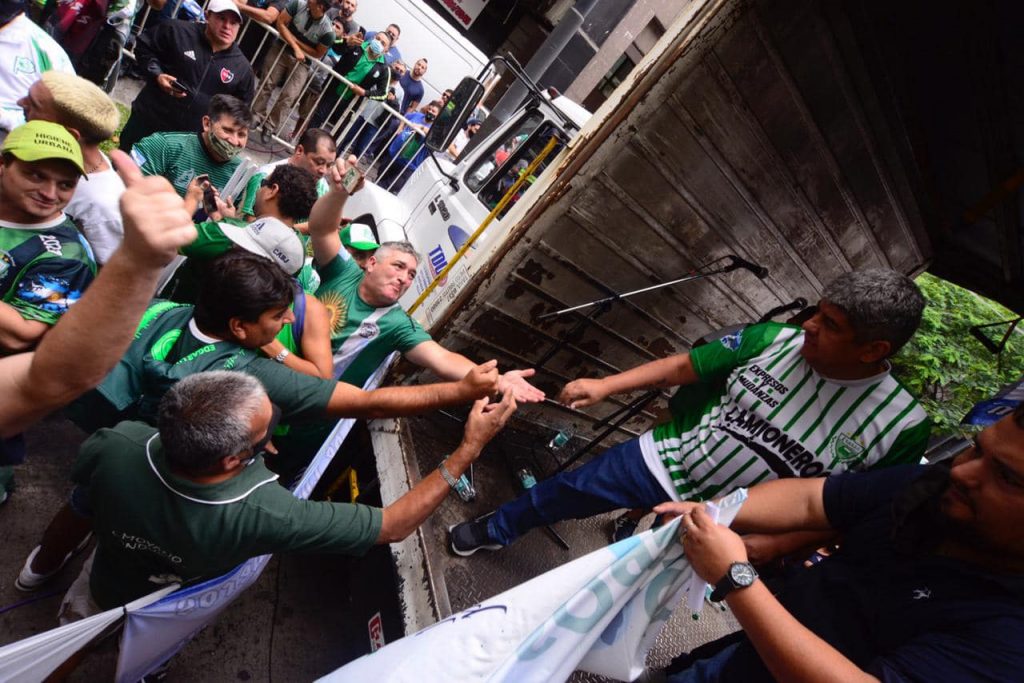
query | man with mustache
[927, 585]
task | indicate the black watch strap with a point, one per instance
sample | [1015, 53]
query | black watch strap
[727, 584]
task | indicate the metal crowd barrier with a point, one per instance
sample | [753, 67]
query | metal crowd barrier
[366, 137]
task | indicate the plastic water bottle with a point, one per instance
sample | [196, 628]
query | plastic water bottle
[560, 439]
[526, 478]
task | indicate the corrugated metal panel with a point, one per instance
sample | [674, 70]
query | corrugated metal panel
[759, 140]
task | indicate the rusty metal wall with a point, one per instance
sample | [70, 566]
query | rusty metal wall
[763, 139]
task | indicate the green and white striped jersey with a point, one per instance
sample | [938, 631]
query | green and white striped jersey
[761, 412]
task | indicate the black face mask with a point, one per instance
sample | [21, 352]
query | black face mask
[9, 9]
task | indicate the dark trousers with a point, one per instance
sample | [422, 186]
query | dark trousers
[618, 478]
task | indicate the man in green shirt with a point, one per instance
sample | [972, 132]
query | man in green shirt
[280, 200]
[315, 153]
[214, 151]
[367, 323]
[192, 500]
[243, 303]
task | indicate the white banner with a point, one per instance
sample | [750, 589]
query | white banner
[155, 634]
[599, 613]
[35, 658]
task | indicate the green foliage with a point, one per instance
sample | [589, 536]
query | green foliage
[945, 365]
[115, 138]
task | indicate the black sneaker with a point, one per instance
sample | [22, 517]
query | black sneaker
[623, 527]
[468, 537]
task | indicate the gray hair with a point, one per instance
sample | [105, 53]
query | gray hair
[206, 417]
[881, 305]
[402, 246]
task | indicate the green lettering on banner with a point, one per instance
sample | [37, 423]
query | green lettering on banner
[653, 595]
[582, 624]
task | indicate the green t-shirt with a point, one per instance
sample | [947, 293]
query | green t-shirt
[168, 346]
[179, 157]
[761, 412]
[44, 268]
[211, 242]
[248, 203]
[153, 527]
[362, 336]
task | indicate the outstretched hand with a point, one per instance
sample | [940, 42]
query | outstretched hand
[481, 381]
[486, 419]
[156, 223]
[514, 381]
[581, 393]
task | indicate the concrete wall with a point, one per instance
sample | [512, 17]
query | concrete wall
[620, 40]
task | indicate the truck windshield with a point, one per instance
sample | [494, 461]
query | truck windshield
[504, 163]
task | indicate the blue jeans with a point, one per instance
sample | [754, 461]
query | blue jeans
[618, 478]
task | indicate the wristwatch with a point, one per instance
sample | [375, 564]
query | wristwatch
[739, 575]
[281, 356]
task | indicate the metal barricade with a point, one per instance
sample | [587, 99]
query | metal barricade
[366, 128]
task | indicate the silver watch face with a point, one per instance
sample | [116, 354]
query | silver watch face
[742, 574]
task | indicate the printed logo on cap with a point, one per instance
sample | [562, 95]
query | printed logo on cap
[191, 54]
[226, 76]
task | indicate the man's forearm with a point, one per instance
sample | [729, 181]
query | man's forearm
[783, 505]
[57, 374]
[18, 335]
[666, 372]
[348, 401]
[407, 513]
[789, 650]
[323, 226]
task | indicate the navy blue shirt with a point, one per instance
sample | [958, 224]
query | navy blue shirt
[888, 602]
[412, 92]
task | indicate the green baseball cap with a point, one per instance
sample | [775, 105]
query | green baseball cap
[40, 140]
[358, 236]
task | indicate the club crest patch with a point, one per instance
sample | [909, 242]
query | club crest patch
[226, 76]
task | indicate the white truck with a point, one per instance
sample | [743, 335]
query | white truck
[443, 203]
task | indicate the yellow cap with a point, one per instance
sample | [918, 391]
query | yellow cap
[39, 140]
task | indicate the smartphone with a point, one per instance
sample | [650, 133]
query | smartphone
[178, 87]
[209, 200]
[209, 196]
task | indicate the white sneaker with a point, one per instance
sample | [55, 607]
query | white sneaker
[29, 581]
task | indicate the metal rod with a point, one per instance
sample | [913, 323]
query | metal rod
[624, 295]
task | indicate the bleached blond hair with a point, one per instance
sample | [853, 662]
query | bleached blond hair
[82, 105]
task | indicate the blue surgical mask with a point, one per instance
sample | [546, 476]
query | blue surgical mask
[376, 47]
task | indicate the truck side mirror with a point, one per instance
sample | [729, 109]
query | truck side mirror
[453, 117]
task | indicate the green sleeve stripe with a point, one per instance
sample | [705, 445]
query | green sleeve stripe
[909, 446]
[44, 59]
[892, 423]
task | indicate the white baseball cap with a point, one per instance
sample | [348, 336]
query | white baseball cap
[271, 238]
[223, 6]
